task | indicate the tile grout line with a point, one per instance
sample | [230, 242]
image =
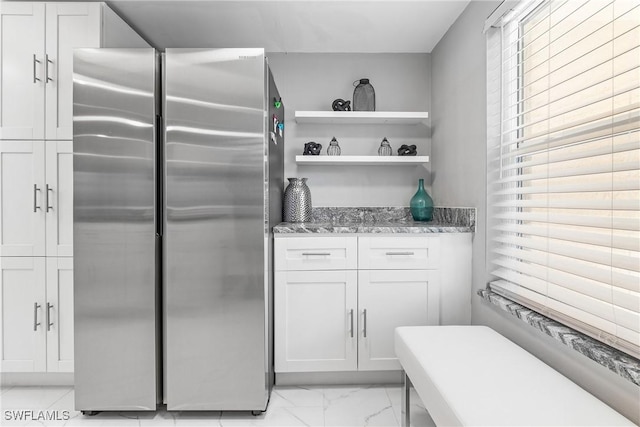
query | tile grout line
[393, 411]
[60, 398]
[5, 389]
[324, 417]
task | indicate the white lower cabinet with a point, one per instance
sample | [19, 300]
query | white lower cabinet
[329, 319]
[22, 297]
[316, 321]
[60, 314]
[388, 299]
[36, 326]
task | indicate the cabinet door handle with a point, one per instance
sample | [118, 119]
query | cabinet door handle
[364, 329]
[316, 253]
[36, 306]
[46, 68]
[35, 198]
[49, 323]
[49, 189]
[35, 61]
[351, 322]
[400, 253]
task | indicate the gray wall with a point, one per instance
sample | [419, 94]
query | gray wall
[459, 171]
[312, 81]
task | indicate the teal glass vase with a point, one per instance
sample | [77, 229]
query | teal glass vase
[421, 204]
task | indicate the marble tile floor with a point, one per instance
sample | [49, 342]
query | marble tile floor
[345, 406]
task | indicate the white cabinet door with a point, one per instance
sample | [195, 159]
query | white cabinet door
[58, 319]
[455, 278]
[22, 198]
[68, 26]
[59, 198]
[388, 299]
[22, 70]
[315, 321]
[22, 324]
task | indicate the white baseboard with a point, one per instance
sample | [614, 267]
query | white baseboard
[10, 379]
[339, 378]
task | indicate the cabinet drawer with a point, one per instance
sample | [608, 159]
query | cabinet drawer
[398, 253]
[316, 253]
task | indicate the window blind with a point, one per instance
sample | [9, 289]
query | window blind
[563, 163]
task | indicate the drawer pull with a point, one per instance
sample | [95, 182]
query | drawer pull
[316, 253]
[400, 253]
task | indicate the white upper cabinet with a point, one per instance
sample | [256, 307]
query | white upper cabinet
[68, 26]
[36, 56]
[22, 82]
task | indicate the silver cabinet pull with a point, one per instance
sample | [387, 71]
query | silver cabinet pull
[400, 253]
[351, 321]
[35, 61]
[364, 329]
[35, 198]
[49, 189]
[36, 306]
[49, 323]
[46, 68]
[316, 253]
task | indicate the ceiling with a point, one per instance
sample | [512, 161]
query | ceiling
[312, 26]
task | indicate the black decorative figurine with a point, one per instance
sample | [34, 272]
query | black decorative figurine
[312, 149]
[407, 150]
[341, 105]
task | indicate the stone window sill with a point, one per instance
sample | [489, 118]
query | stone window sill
[615, 360]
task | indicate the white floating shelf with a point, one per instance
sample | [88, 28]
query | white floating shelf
[362, 160]
[362, 117]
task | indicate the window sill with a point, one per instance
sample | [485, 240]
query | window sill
[616, 361]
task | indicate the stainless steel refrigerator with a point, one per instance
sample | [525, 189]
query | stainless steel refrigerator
[178, 179]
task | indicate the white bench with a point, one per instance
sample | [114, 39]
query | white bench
[473, 376]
